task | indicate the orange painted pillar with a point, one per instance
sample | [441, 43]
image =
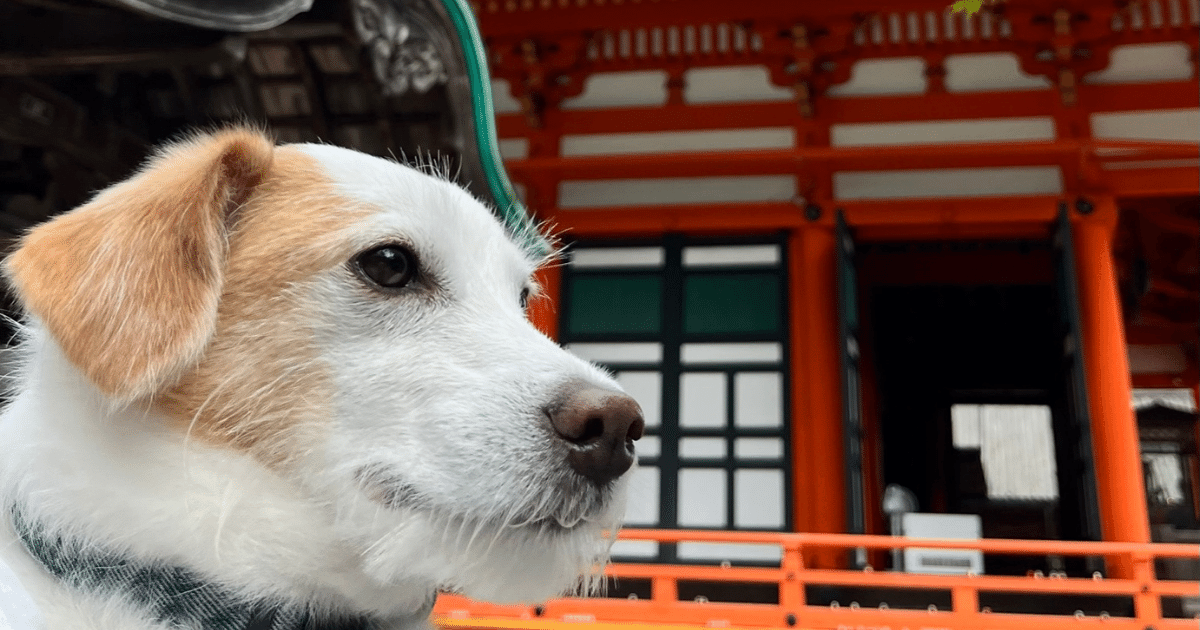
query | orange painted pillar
[1115, 445]
[819, 495]
[802, 509]
[543, 309]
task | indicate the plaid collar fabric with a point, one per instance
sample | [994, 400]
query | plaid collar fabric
[174, 595]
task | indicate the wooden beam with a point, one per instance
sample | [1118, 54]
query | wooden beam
[1159, 381]
[498, 19]
[1150, 334]
[1169, 181]
[1019, 215]
[746, 218]
[64, 62]
[314, 86]
[514, 19]
[866, 109]
[859, 158]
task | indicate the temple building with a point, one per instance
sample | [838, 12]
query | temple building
[876, 271]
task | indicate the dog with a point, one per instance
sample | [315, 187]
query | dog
[275, 387]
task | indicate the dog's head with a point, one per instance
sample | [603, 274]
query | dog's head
[357, 327]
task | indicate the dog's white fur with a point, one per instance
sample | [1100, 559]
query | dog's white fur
[324, 443]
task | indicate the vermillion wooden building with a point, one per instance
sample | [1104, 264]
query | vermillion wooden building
[877, 272]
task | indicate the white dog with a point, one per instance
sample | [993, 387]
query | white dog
[293, 387]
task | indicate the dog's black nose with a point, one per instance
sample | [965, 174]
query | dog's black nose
[599, 426]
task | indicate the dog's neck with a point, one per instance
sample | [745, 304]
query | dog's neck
[174, 595]
[123, 481]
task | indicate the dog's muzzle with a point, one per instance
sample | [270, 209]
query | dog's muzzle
[599, 427]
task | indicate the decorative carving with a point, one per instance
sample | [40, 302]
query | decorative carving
[403, 56]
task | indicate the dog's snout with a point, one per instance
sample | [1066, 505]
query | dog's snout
[600, 426]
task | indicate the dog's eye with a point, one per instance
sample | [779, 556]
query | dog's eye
[525, 299]
[389, 266]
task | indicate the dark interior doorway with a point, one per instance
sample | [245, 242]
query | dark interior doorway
[937, 346]
[970, 387]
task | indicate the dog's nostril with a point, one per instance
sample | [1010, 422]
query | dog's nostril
[636, 429]
[600, 426]
[592, 431]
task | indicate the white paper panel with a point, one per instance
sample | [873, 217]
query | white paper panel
[758, 448]
[514, 148]
[618, 352]
[758, 498]
[765, 352]
[702, 400]
[1165, 476]
[702, 497]
[646, 389]
[758, 399]
[1178, 398]
[702, 447]
[942, 131]
[728, 255]
[680, 190]
[989, 71]
[642, 508]
[1017, 450]
[904, 75]
[648, 446]
[502, 98]
[1144, 63]
[621, 89]
[964, 426]
[678, 141]
[1171, 124]
[732, 84]
[593, 257]
[948, 182]
[719, 552]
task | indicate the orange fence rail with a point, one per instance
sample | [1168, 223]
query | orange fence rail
[1136, 600]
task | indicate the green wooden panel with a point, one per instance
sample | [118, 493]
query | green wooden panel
[730, 303]
[1082, 493]
[852, 422]
[615, 304]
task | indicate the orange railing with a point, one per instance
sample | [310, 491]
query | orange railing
[1137, 598]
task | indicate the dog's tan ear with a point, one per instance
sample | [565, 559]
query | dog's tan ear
[128, 284]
